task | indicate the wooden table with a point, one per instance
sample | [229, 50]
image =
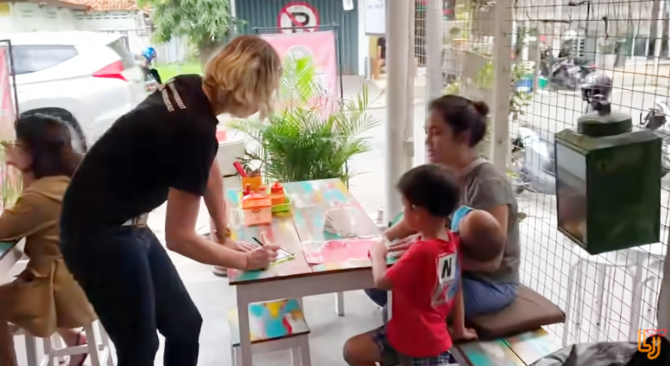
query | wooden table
[296, 278]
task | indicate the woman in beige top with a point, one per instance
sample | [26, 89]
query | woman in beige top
[44, 298]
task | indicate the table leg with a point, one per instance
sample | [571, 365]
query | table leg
[245, 333]
[339, 303]
[636, 303]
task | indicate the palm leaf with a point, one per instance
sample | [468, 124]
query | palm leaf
[298, 142]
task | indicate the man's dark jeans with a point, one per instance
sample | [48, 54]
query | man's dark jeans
[135, 290]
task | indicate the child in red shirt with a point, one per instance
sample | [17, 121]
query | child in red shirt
[425, 282]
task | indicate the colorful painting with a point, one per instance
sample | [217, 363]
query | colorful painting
[532, 346]
[337, 251]
[282, 232]
[271, 320]
[494, 353]
[305, 223]
[313, 200]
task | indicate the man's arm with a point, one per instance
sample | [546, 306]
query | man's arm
[215, 202]
[180, 235]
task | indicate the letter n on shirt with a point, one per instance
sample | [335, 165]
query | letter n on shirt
[447, 279]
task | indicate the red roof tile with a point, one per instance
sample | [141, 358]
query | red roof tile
[108, 5]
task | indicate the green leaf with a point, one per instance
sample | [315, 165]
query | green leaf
[299, 141]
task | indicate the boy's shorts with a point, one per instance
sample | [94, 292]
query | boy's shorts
[391, 357]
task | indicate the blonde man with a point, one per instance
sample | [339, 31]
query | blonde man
[163, 150]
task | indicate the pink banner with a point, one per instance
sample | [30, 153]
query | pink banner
[6, 100]
[9, 182]
[320, 46]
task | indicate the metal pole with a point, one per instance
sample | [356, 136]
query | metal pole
[398, 71]
[434, 45]
[663, 308]
[658, 43]
[502, 66]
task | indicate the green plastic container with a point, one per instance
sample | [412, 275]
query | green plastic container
[543, 82]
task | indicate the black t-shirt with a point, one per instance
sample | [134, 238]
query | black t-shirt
[167, 141]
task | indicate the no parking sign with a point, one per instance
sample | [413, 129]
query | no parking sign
[298, 17]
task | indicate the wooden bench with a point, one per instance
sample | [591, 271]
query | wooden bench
[274, 326]
[513, 336]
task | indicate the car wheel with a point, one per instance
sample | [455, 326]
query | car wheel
[78, 139]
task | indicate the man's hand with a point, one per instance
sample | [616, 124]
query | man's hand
[261, 257]
[378, 249]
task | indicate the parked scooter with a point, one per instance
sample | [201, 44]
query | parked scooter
[151, 77]
[656, 120]
[534, 166]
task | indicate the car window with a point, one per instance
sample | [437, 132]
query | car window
[29, 59]
[120, 48]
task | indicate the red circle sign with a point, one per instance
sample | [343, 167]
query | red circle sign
[298, 17]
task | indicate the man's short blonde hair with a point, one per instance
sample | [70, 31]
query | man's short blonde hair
[245, 73]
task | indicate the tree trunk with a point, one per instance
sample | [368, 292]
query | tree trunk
[206, 48]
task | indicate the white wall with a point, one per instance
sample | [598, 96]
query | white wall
[363, 39]
[30, 17]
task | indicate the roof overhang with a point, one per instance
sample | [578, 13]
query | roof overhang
[52, 3]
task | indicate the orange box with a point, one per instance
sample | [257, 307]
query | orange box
[254, 182]
[257, 210]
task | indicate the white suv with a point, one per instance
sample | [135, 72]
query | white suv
[87, 79]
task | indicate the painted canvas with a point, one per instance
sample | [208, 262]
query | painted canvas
[337, 251]
[271, 320]
[532, 346]
[494, 353]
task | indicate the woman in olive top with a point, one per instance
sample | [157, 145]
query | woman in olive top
[44, 298]
[455, 126]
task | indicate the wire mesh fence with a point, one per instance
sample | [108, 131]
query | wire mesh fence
[620, 49]
[557, 47]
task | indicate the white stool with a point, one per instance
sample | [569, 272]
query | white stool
[297, 342]
[97, 348]
[99, 352]
[637, 259]
[31, 347]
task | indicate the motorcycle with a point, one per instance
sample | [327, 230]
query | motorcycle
[655, 121]
[566, 72]
[533, 162]
[151, 79]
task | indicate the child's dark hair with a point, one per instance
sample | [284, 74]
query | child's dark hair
[50, 143]
[462, 114]
[432, 188]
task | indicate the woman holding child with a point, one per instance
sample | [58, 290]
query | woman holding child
[455, 126]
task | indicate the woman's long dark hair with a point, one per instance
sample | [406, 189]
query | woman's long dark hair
[48, 139]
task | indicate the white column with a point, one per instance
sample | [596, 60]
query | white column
[501, 67]
[434, 46]
[398, 41]
[663, 309]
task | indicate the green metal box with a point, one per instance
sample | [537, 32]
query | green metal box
[608, 183]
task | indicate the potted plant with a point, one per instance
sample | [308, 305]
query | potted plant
[310, 136]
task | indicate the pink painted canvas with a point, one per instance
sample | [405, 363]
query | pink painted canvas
[337, 251]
